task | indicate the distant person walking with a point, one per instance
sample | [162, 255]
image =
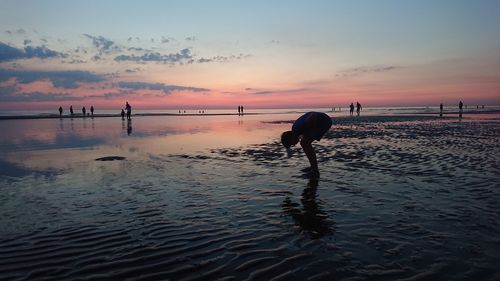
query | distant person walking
[71, 110]
[358, 108]
[92, 110]
[306, 129]
[128, 108]
[351, 111]
[441, 110]
[460, 109]
[60, 110]
[84, 111]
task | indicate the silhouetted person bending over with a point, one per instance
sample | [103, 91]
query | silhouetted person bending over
[60, 110]
[308, 128]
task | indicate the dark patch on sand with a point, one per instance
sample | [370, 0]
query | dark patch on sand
[111, 158]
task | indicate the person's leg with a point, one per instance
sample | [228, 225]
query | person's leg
[306, 144]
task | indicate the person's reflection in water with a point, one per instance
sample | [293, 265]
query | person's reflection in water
[311, 218]
[129, 126]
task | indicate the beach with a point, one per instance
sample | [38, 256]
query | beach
[216, 197]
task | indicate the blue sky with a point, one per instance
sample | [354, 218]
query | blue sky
[266, 41]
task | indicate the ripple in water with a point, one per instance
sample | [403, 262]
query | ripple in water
[396, 200]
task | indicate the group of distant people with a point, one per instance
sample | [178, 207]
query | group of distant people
[128, 109]
[240, 109]
[358, 108]
[84, 111]
[125, 112]
[460, 108]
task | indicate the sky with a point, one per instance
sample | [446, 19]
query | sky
[260, 54]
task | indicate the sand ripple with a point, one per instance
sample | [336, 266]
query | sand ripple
[405, 200]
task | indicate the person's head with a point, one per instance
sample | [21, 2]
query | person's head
[289, 138]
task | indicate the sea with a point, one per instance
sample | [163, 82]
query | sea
[403, 194]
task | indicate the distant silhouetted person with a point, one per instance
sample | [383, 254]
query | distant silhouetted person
[123, 114]
[92, 110]
[441, 110]
[358, 108]
[71, 110]
[351, 109]
[129, 110]
[242, 110]
[460, 108]
[239, 110]
[482, 107]
[83, 111]
[306, 129]
[60, 110]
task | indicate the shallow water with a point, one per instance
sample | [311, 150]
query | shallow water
[202, 198]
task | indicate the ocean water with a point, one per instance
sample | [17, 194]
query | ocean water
[410, 197]
[332, 111]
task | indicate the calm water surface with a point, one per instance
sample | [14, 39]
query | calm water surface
[217, 197]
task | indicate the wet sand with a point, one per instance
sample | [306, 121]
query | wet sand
[400, 197]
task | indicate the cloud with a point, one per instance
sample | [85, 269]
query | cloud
[167, 89]
[76, 61]
[181, 56]
[60, 79]
[103, 45]
[223, 58]
[8, 53]
[268, 92]
[19, 31]
[264, 92]
[365, 70]
[6, 96]
[167, 39]
[132, 70]
[109, 96]
[137, 49]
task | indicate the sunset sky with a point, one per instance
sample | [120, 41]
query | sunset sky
[262, 54]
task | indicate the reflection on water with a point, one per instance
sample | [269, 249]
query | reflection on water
[310, 218]
[33, 143]
[129, 126]
[215, 198]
